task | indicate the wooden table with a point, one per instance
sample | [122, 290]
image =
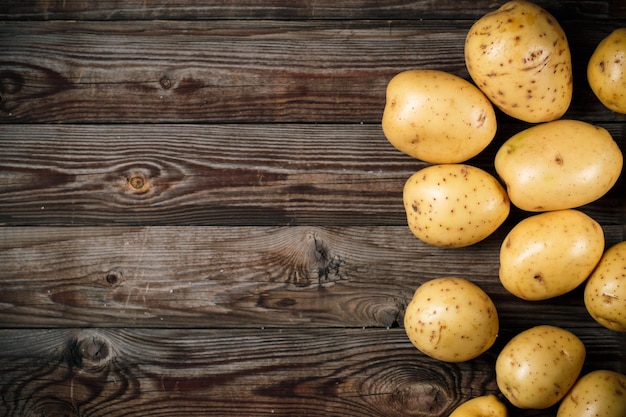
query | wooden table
[201, 215]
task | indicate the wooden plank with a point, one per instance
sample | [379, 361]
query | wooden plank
[267, 372]
[293, 10]
[236, 71]
[220, 175]
[192, 277]
[230, 174]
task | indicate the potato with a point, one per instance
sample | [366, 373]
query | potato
[537, 367]
[550, 254]
[451, 319]
[519, 57]
[606, 71]
[483, 406]
[558, 165]
[605, 290]
[437, 117]
[598, 393]
[454, 205]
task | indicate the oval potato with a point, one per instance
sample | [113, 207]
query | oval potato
[437, 117]
[550, 254]
[598, 393]
[451, 319]
[558, 165]
[454, 205]
[605, 290]
[606, 71]
[538, 366]
[519, 57]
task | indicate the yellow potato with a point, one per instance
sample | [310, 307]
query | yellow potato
[483, 406]
[605, 291]
[519, 57]
[600, 393]
[454, 205]
[437, 117]
[606, 71]
[550, 254]
[558, 165]
[451, 319]
[537, 367]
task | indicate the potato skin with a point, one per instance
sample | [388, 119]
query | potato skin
[559, 165]
[598, 393]
[451, 319]
[606, 71]
[538, 366]
[519, 57]
[454, 205]
[605, 290]
[483, 406]
[550, 254]
[437, 117]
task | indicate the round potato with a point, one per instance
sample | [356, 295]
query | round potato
[519, 57]
[437, 117]
[454, 205]
[606, 71]
[537, 367]
[559, 165]
[598, 393]
[483, 406]
[451, 319]
[550, 254]
[605, 290]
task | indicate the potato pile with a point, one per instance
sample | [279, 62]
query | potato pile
[518, 58]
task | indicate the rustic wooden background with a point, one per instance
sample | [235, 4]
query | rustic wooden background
[200, 215]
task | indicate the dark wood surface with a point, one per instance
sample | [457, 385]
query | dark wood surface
[200, 215]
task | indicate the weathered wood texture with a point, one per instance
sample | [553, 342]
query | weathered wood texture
[267, 372]
[201, 216]
[219, 175]
[290, 10]
[236, 71]
[243, 277]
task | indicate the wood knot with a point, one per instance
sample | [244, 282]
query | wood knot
[138, 183]
[90, 352]
[313, 262]
[113, 277]
[166, 83]
[422, 399]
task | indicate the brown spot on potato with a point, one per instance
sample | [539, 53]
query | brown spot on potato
[558, 159]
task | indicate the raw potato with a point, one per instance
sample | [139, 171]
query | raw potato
[606, 71]
[519, 57]
[550, 254]
[559, 165]
[437, 117]
[539, 366]
[454, 205]
[598, 393]
[605, 291]
[451, 319]
[483, 406]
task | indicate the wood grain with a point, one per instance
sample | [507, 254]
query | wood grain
[291, 10]
[284, 372]
[232, 174]
[200, 215]
[236, 71]
[244, 277]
